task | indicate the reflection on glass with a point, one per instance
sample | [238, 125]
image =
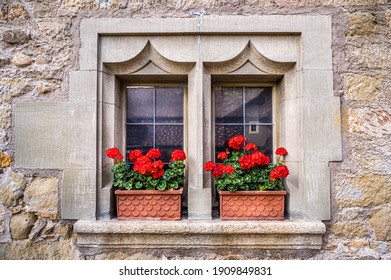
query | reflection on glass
[169, 105]
[139, 137]
[229, 105]
[139, 102]
[223, 133]
[258, 105]
[169, 138]
[262, 136]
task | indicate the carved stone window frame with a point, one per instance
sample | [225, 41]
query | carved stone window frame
[292, 51]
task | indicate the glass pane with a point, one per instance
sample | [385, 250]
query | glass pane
[229, 105]
[262, 136]
[139, 137]
[223, 133]
[139, 105]
[169, 105]
[258, 105]
[168, 139]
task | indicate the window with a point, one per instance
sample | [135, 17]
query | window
[154, 119]
[247, 111]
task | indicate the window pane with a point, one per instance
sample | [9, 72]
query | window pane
[223, 133]
[139, 137]
[229, 105]
[258, 105]
[139, 103]
[169, 105]
[262, 136]
[169, 138]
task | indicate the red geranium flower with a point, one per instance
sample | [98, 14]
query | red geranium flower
[153, 153]
[209, 166]
[281, 151]
[236, 142]
[260, 159]
[178, 155]
[229, 169]
[279, 172]
[246, 162]
[134, 155]
[218, 171]
[114, 153]
[222, 155]
[250, 146]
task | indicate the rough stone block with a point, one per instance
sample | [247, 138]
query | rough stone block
[380, 221]
[12, 186]
[349, 230]
[363, 87]
[41, 196]
[361, 24]
[21, 225]
[21, 60]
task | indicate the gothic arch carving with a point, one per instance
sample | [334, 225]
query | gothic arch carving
[149, 62]
[249, 61]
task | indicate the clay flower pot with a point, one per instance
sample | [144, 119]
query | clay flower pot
[252, 205]
[149, 204]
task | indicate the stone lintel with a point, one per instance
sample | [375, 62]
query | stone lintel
[200, 234]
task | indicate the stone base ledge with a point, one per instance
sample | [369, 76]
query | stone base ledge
[188, 234]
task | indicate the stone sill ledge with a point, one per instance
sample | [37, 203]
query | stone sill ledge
[187, 234]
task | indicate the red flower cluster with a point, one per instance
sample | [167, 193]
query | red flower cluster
[153, 153]
[250, 146]
[178, 155]
[281, 151]
[114, 153]
[222, 155]
[134, 155]
[279, 172]
[255, 159]
[218, 169]
[145, 166]
[236, 142]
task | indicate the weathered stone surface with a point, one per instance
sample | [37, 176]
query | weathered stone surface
[124, 256]
[11, 187]
[37, 228]
[361, 24]
[63, 230]
[380, 221]
[11, 88]
[45, 10]
[362, 87]
[349, 229]
[44, 88]
[29, 250]
[369, 122]
[368, 190]
[5, 217]
[5, 117]
[21, 225]
[5, 160]
[15, 37]
[17, 11]
[21, 60]
[41, 196]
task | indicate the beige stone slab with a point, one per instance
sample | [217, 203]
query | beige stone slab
[316, 190]
[53, 135]
[318, 83]
[78, 196]
[322, 129]
[201, 234]
[83, 86]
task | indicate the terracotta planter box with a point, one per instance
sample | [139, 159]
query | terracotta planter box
[149, 204]
[252, 205]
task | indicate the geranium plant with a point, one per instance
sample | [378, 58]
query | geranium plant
[245, 168]
[147, 172]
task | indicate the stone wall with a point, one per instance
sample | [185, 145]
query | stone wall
[39, 44]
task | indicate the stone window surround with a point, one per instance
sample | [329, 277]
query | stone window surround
[294, 51]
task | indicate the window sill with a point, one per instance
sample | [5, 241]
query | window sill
[208, 234]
